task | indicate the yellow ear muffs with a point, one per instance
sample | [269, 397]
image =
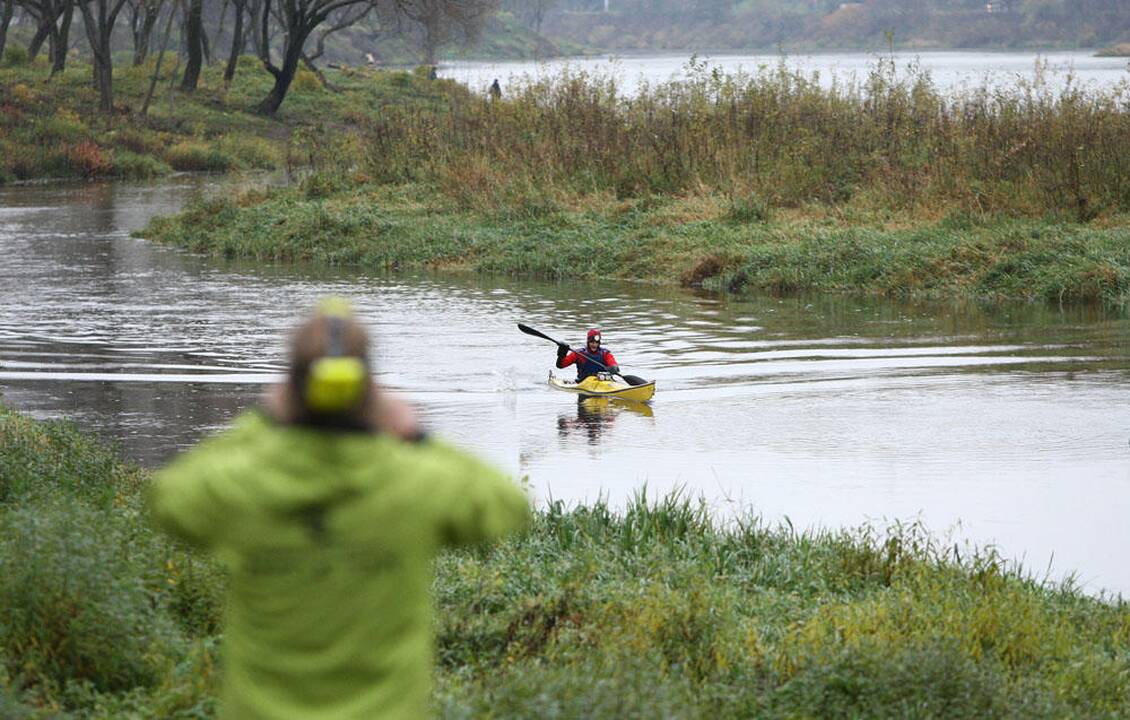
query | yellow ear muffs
[336, 381]
[335, 384]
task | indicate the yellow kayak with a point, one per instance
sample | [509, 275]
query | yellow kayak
[603, 385]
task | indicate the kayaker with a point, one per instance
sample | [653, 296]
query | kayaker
[327, 506]
[591, 360]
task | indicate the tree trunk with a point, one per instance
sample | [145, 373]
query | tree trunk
[61, 41]
[205, 44]
[309, 63]
[143, 36]
[237, 41]
[98, 31]
[194, 33]
[42, 32]
[103, 78]
[283, 77]
[160, 59]
[5, 21]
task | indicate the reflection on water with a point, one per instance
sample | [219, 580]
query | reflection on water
[595, 415]
[828, 410]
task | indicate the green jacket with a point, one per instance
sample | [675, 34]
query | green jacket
[329, 537]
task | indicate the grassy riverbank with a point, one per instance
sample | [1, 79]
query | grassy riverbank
[655, 611]
[52, 128]
[706, 241]
[772, 181]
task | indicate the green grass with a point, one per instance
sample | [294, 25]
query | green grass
[703, 242]
[768, 181]
[655, 610]
[51, 128]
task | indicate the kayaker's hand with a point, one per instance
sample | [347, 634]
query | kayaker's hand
[562, 350]
[614, 369]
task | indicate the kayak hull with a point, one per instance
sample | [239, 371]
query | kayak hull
[594, 386]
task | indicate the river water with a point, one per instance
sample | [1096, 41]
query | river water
[1006, 426]
[951, 71]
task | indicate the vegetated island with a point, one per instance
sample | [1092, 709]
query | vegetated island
[769, 182]
[656, 610]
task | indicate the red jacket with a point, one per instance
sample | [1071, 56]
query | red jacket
[585, 364]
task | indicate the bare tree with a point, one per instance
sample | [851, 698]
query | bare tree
[99, 18]
[7, 9]
[44, 26]
[298, 18]
[142, 17]
[436, 23]
[531, 13]
[342, 19]
[160, 58]
[194, 44]
[53, 25]
[238, 40]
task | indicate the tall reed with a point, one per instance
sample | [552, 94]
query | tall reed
[892, 140]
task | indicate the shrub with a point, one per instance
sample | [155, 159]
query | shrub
[306, 81]
[53, 457]
[196, 156]
[749, 208]
[15, 56]
[137, 141]
[64, 126]
[131, 165]
[22, 93]
[21, 161]
[251, 152]
[89, 160]
[76, 602]
[319, 185]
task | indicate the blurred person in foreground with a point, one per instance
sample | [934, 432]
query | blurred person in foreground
[327, 506]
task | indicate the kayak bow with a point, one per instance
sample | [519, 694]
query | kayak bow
[603, 385]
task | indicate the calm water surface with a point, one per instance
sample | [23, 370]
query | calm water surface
[1008, 426]
[953, 71]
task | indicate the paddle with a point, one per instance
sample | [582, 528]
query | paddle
[631, 379]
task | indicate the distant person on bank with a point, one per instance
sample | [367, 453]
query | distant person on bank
[327, 506]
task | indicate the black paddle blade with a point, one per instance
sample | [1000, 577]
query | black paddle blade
[530, 331]
[634, 379]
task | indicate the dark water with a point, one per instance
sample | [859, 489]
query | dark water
[1006, 426]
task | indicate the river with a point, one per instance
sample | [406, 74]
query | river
[1006, 426]
[953, 71]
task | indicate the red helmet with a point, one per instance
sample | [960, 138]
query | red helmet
[594, 333]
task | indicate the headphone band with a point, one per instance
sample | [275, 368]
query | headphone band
[335, 336]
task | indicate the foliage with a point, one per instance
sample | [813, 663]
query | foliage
[695, 240]
[54, 456]
[98, 609]
[654, 609]
[77, 602]
[14, 56]
[50, 127]
[198, 156]
[771, 181]
[780, 136]
[132, 165]
[658, 611]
